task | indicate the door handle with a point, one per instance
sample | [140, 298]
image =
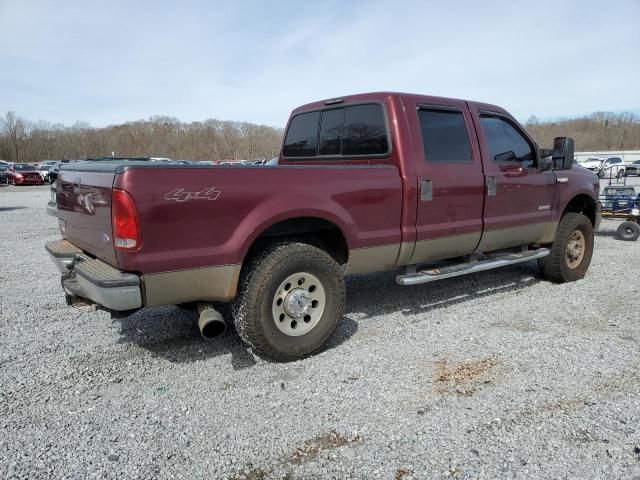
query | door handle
[426, 190]
[491, 186]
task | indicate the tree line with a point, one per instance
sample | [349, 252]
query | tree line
[599, 131]
[22, 140]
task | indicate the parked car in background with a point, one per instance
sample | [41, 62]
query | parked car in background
[592, 163]
[633, 168]
[44, 171]
[4, 177]
[24, 174]
[55, 168]
[612, 167]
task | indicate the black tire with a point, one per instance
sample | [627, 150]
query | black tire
[558, 266]
[628, 231]
[259, 286]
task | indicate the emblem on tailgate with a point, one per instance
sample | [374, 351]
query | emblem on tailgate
[180, 195]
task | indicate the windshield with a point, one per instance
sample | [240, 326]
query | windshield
[22, 167]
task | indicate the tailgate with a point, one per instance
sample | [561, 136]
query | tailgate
[84, 210]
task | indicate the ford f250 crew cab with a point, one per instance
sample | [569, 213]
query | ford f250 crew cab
[363, 183]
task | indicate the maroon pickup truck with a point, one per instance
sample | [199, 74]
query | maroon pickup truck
[364, 183]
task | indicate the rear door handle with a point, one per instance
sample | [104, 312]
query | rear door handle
[426, 190]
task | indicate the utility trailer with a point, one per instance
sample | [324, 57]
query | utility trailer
[622, 202]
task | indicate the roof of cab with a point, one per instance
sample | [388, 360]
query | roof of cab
[383, 97]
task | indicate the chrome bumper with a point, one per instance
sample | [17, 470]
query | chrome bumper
[93, 280]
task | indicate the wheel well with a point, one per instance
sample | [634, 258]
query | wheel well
[314, 231]
[583, 204]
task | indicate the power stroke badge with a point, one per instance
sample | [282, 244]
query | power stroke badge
[180, 195]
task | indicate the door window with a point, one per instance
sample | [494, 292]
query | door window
[505, 143]
[444, 136]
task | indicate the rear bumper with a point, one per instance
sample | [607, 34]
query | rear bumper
[96, 282]
[93, 280]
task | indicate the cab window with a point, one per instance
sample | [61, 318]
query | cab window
[505, 143]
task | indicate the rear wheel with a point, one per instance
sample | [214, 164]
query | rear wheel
[290, 298]
[628, 231]
[571, 250]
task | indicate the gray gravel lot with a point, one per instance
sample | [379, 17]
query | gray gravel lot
[497, 375]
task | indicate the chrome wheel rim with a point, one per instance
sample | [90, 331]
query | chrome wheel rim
[298, 304]
[576, 247]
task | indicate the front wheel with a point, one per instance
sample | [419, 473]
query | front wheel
[571, 250]
[290, 298]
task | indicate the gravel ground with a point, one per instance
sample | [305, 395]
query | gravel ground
[496, 375]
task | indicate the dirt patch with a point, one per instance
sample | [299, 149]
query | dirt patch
[401, 472]
[463, 378]
[250, 474]
[327, 441]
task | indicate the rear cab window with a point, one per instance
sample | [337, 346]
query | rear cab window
[349, 131]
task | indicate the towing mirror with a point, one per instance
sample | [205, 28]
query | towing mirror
[562, 154]
[546, 163]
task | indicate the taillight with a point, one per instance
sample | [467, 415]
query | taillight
[124, 221]
[18, 176]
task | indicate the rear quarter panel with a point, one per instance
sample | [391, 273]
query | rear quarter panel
[363, 201]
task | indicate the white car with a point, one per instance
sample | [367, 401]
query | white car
[612, 167]
[592, 163]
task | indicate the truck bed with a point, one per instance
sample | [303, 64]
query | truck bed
[195, 216]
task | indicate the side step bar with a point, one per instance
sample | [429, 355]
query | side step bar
[425, 276]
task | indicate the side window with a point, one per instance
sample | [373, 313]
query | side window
[331, 132]
[365, 132]
[505, 143]
[302, 136]
[444, 136]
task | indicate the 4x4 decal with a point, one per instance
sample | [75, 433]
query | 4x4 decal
[179, 194]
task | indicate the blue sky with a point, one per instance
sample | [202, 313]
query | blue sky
[107, 62]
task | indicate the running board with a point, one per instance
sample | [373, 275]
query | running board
[503, 260]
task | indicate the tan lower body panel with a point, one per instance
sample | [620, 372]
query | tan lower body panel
[373, 259]
[208, 283]
[445, 247]
[522, 235]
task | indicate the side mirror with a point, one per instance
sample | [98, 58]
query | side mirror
[562, 154]
[546, 163]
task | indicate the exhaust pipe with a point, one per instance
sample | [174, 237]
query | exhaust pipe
[210, 321]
